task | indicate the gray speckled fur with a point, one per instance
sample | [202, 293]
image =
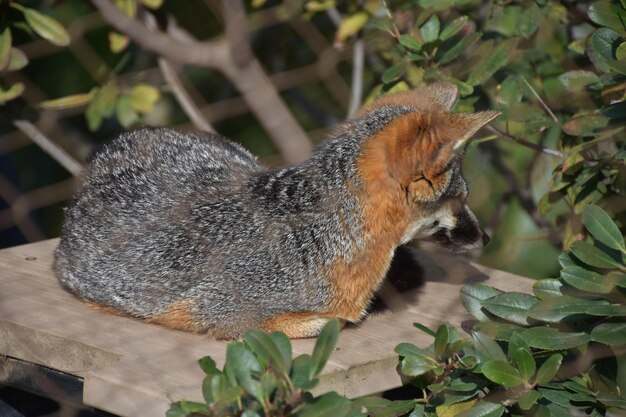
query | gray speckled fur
[164, 216]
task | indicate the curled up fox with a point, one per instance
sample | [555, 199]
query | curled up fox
[190, 231]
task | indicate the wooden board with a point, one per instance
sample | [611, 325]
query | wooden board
[135, 369]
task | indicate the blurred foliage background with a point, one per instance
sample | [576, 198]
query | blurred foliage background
[276, 76]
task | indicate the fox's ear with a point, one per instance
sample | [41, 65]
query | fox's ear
[462, 126]
[440, 97]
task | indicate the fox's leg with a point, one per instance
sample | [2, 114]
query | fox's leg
[296, 325]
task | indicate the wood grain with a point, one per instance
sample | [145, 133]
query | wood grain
[136, 369]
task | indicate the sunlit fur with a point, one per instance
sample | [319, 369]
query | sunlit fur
[190, 231]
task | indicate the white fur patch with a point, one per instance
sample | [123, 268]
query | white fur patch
[425, 226]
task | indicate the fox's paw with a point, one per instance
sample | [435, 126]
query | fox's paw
[296, 325]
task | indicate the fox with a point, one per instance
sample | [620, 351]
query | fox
[192, 232]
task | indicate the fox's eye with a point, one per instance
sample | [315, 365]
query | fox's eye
[420, 177]
[435, 223]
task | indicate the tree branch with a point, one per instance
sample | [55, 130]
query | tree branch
[204, 54]
[356, 95]
[237, 31]
[523, 142]
[249, 77]
[51, 148]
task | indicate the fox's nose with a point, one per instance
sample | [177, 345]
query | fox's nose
[486, 238]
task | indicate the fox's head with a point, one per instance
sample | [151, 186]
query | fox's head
[414, 165]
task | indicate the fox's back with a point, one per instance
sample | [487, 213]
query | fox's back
[130, 227]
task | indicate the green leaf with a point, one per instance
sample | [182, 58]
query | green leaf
[547, 288]
[497, 330]
[68, 102]
[528, 399]
[350, 25]
[502, 373]
[129, 7]
[483, 409]
[430, 29]
[511, 306]
[453, 409]
[381, 407]
[418, 411]
[450, 54]
[555, 309]
[11, 93]
[577, 80]
[301, 373]
[593, 256]
[601, 46]
[118, 42]
[453, 28]
[585, 125]
[607, 14]
[424, 329]
[17, 60]
[207, 393]
[208, 365]
[441, 340]
[620, 52]
[124, 113]
[472, 297]
[410, 42]
[284, 347]
[612, 334]
[330, 404]
[415, 366]
[497, 58]
[240, 365]
[525, 363]
[175, 410]
[46, 27]
[459, 385]
[529, 20]
[393, 72]
[586, 280]
[263, 345]
[602, 228]
[143, 97]
[551, 339]
[325, 344]
[183, 408]
[5, 48]
[102, 105]
[152, 4]
[416, 361]
[617, 279]
[548, 369]
[488, 347]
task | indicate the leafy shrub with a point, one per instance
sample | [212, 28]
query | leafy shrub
[560, 350]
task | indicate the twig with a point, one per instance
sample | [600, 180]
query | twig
[396, 32]
[51, 148]
[356, 95]
[543, 103]
[186, 103]
[523, 142]
[176, 86]
[17, 214]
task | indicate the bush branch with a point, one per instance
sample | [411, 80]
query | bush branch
[523, 142]
[48, 146]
